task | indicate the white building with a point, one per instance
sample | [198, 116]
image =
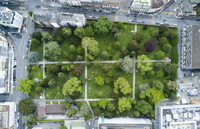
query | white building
[7, 115]
[10, 18]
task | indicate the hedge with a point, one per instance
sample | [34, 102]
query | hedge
[174, 75]
[174, 55]
[45, 121]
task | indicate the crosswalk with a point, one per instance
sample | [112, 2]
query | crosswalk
[116, 16]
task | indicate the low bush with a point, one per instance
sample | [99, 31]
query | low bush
[174, 56]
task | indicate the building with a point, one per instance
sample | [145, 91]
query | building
[119, 123]
[149, 6]
[10, 18]
[178, 117]
[7, 115]
[190, 47]
[55, 19]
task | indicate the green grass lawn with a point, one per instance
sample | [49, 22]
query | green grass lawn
[56, 92]
[38, 49]
[93, 88]
[33, 94]
[143, 79]
[108, 40]
[37, 73]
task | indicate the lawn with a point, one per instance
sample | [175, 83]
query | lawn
[38, 49]
[107, 41]
[93, 88]
[33, 94]
[143, 79]
[56, 92]
[38, 73]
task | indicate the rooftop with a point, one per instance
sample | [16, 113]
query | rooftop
[41, 112]
[54, 109]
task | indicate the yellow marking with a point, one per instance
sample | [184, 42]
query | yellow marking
[153, 17]
[44, 5]
[168, 12]
[116, 16]
[124, 11]
[20, 8]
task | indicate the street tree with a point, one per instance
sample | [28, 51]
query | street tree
[67, 32]
[170, 67]
[35, 42]
[99, 80]
[127, 64]
[172, 85]
[79, 32]
[89, 31]
[66, 105]
[52, 50]
[122, 85]
[26, 106]
[149, 45]
[138, 36]
[124, 104]
[37, 35]
[72, 85]
[160, 55]
[25, 85]
[102, 26]
[52, 83]
[34, 57]
[104, 55]
[84, 109]
[47, 37]
[144, 66]
[103, 103]
[157, 84]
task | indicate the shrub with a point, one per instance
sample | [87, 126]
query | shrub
[166, 47]
[174, 56]
[30, 13]
[155, 33]
[116, 45]
[150, 74]
[88, 64]
[149, 45]
[144, 27]
[138, 36]
[120, 25]
[157, 65]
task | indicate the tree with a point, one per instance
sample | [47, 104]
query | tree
[72, 112]
[132, 46]
[72, 85]
[37, 35]
[38, 89]
[99, 80]
[91, 44]
[71, 56]
[52, 50]
[115, 30]
[163, 28]
[66, 105]
[96, 111]
[44, 83]
[89, 57]
[72, 48]
[28, 119]
[78, 70]
[63, 127]
[67, 32]
[132, 53]
[173, 34]
[107, 80]
[144, 66]
[55, 69]
[34, 57]
[79, 32]
[149, 45]
[170, 67]
[89, 31]
[88, 64]
[157, 65]
[171, 85]
[120, 25]
[108, 114]
[160, 55]
[150, 74]
[165, 34]
[118, 65]
[26, 106]
[96, 63]
[84, 109]
[59, 64]
[103, 103]
[136, 114]
[25, 85]
[116, 36]
[154, 95]
[64, 68]
[69, 99]
[127, 64]
[100, 93]
[138, 36]
[52, 83]
[35, 42]
[30, 13]
[124, 104]
[173, 97]
[83, 80]
[110, 74]
[46, 37]
[122, 85]
[155, 33]
[157, 84]
[75, 40]
[79, 58]
[160, 73]
[61, 76]
[162, 41]
[104, 55]
[106, 68]
[141, 50]
[111, 107]
[166, 47]
[143, 107]
[101, 27]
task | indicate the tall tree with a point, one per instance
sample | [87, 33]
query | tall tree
[52, 83]
[79, 32]
[132, 46]
[52, 50]
[104, 55]
[160, 55]
[162, 41]
[173, 97]
[124, 104]
[120, 25]
[72, 48]
[46, 37]
[103, 103]
[102, 26]
[66, 105]
[149, 45]
[26, 106]
[99, 80]
[25, 85]
[89, 31]
[67, 32]
[157, 84]
[111, 107]
[84, 109]
[144, 107]
[170, 67]
[72, 85]
[63, 127]
[122, 85]
[163, 28]
[127, 64]
[37, 35]
[154, 95]
[106, 68]
[91, 44]
[61, 76]
[35, 42]
[138, 36]
[171, 85]
[155, 33]
[34, 57]
[144, 66]
[72, 112]
[96, 63]
[44, 83]
[78, 70]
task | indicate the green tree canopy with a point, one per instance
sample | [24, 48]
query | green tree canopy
[155, 33]
[26, 106]
[37, 35]
[33, 57]
[106, 68]
[111, 107]
[91, 44]
[163, 28]
[103, 103]
[138, 36]
[67, 32]
[52, 50]
[84, 109]
[52, 83]
[166, 47]
[157, 84]
[96, 63]
[144, 66]
[47, 37]
[132, 46]
[72, 48]
[35, 42]
[144, 107]
[104, 55]
[154, 95]
[160, 73]
[124, 104]
[79, 32]
[63, 127]
[120, 25]
[160, 55]
[25, 85]
[89, 31]
[72, 112]
[136, 114]
[72, 85]
[44, 83]
[94, 104]
[102, 26]
[173, 97]
[99, 80]
[127, 64]
[66, 105]
[170, 67]
[162, 41]
[122, 85]
[171, 85]
[61, 76]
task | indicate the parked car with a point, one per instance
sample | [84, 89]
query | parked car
[26, 52]
[24, 25]
[29, 34]
[23, 32]
[127, 15]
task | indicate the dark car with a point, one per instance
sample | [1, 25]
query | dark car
[27, 45]
[127, 15]
[197, 19]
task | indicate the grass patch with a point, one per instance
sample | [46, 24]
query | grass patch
[33, 94]
[56, 92]
[45, 121]
[107, 89]
[62, 102]
[55, 102]
[38, 73]
[48, 102]
[36, 26]
[38, 49]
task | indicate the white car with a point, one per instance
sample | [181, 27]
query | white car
[26, 67]
[129, 20]
[26, 30]
[90, 16]
[23, 57]
[9, 33]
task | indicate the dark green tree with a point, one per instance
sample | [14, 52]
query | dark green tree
[26, 106]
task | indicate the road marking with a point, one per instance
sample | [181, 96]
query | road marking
[20, 8]
[44, 5]
[124, 11]
[168, 12]
[153, 17]
[116, 16]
